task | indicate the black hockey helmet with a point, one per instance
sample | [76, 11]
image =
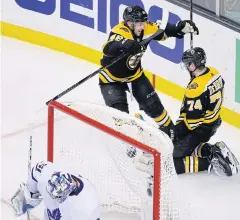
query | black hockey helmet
[135, 13]
[195, 56]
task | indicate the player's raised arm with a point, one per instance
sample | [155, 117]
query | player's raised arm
[177, 30]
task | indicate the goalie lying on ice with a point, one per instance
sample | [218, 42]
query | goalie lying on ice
[66, 195]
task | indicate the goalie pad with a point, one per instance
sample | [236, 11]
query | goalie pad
[144, 163]
[23, 200]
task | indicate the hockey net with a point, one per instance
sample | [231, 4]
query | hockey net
[95, 139]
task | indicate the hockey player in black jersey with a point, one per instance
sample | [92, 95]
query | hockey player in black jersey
[128, 74]
[200, 117]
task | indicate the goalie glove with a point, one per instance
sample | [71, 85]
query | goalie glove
[24, 200]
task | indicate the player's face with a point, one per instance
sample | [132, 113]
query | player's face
[191, 67]
[138, 28]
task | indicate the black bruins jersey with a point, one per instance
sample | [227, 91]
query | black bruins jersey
[202, 101]
[129, 68]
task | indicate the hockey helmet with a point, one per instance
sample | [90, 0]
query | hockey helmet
[135, 13]
[196, 56]
[60, 185]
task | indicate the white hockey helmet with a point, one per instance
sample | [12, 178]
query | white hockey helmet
[60, 186]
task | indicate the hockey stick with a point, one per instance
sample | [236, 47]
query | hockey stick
[30, 161]
[191, 19]
[145, 41]
[30, 155]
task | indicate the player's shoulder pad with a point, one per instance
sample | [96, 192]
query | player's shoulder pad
[123, 30]
[199, 84]
[150, 28]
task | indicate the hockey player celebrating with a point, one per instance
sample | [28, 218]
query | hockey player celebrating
[65, 195]
[200, 117]
[127, 74]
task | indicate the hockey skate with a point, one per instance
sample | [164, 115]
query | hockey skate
[222, 160]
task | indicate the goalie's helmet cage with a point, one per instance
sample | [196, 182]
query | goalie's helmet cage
[60, 185]
[94, 139]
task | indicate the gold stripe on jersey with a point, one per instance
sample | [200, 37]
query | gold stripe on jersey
[199, 84]
[107, 77]
[163, 119]
[102, 78]
[123, 30]
[151, 28]
[212, 116]
[193, 123]
[181, 118]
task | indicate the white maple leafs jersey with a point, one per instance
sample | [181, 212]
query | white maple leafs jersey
[82, 205]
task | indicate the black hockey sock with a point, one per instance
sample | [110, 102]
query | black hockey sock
[190, 164]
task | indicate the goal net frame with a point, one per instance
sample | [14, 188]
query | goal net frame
[54, 105]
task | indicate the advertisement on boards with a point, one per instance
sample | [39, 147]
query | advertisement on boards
[88, 22]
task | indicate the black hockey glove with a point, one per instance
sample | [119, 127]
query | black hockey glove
[186, 26]
[170, 131]
[131, 46]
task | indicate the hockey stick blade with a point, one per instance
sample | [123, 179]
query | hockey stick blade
[145, 41]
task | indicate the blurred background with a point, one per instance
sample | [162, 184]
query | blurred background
[225, 10]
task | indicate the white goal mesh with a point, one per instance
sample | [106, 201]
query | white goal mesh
[98, 150]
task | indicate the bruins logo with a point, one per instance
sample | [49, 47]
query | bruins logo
[193, 85]
[134, 60]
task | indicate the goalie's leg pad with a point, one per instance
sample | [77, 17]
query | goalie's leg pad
[144, 162]
[23, 200]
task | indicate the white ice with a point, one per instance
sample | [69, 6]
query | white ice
[31, 75]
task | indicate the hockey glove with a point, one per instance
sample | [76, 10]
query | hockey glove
[186, 26]
[131, 46]
[24, 200]
[170, 131]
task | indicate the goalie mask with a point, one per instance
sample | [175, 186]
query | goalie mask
[60, 186]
